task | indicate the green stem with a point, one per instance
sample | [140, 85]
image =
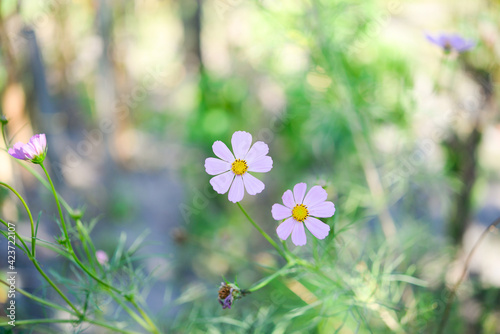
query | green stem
[39, 321]
[105, 325]
[61, 251]
[338, 74]
[68, 241]
[92, 247]
[315, 269]
[132, 314]
[151, 324]
[437, 84]
[264, 234]
[40, 270]
[61, 215]
[454, 67]
[40, 300]
[79, 227]
[77, 260]
[33, 239]
[285, 247]
[66, 321]
[453, 291]
[26, 249]
[46, 184]
[267, 280]
[80, 264]
[4, 134]
[57, 307]
[33, 172]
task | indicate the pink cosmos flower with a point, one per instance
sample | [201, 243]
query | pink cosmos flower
[232, 171]
[299, 210]
[34, 151]
[102, 257]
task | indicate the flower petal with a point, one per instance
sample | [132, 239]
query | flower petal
[315, 196]
[466, 45]
[435, 40]
[257, 151]
[241, 142]
[322, 210]
[280, 212]
[252, 184]
[29, 151]
[284, 229]
[220, 149]
[288, 199]
[215, 166]
[299, 234]
[13, 153]
[17, 151]
[43, 141]
[36, 143]
[299, 191]
[459, 43]
[222, 182]
[263, 165]
[237, 190]
[319, 229]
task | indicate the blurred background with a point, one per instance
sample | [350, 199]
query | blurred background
[347, 94]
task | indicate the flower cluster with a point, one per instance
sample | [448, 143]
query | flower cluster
[34, 151]
[299, 210]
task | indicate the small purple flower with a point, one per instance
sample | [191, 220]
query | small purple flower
[102, 257]
[450, 42]
[34, 151]
[228, 301]
[227, 294]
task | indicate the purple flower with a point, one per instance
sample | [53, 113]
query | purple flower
[34, 151]
[450, 42]
[228, 301]
[227, 294]
[300, 209]
[232, 170]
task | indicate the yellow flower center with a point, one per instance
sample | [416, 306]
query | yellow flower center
[239, 167]
[299, 212]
